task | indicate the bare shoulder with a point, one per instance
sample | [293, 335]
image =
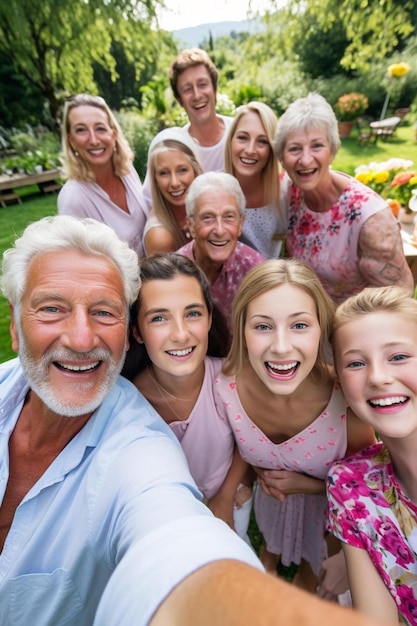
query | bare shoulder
[159, 239]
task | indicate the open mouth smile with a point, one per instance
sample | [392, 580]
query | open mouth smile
[184, 352]
[285, 370]
[78, 368]
[388, 402]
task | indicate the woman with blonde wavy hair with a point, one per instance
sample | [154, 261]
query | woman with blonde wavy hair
[277, 390]
[250, 158]
[97, 161]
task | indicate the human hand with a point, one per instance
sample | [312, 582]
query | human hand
[333, 580]
[281, 483]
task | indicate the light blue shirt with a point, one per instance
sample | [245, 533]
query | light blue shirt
[121, 480]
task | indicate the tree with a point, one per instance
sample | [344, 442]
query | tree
[374, 28]
[55, 44]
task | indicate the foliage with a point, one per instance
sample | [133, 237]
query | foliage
[374, 28]
[139, 132]
[350, 106]
[29, 149]
[55, 44]
[319, 49]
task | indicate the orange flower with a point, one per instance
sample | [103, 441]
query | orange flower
[394, 205]
[402, 178]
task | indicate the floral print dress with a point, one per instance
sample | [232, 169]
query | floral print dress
[368, 510]
[328, 240]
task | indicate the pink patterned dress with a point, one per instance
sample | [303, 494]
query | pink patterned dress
[368, 510]
[328, 241]
[295, 528]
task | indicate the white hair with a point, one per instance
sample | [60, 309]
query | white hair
[214, 180]
[64, 232]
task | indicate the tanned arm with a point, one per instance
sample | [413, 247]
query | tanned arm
[381, 254]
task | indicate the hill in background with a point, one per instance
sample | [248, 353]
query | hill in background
[195, 35]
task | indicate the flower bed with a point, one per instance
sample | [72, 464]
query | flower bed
[393, 180]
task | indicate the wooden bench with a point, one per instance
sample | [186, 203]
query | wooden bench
[47, 182]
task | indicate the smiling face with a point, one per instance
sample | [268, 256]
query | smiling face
[174, 173]
[376, 361]
[91, 135]
[215, 227]
[173, 322]
[250, 146]
[71, 335]
[197, 94]
[307, 158]
[282, 336]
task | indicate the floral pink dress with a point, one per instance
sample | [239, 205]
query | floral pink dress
[295, 528]
[328, 241]
[367, 509]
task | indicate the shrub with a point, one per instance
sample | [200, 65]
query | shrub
[139, 132]
[350, 106]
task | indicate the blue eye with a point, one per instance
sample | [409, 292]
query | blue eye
[261, 327]
[157, 318]
[354, 364]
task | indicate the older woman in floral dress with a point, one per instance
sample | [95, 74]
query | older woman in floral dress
[341, 228]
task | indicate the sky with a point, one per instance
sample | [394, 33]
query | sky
[186, 13]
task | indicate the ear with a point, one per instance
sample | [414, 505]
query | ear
[191, 226]
[242, 221]
[13, 330]
[136, 334]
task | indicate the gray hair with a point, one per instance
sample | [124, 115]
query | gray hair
[307, 113]
[214, 180]
[64, 232]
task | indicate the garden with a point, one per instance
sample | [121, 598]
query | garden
[351, 157]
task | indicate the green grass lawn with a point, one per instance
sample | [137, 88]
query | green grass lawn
[402, 145]
[13, 220]
[15, 217]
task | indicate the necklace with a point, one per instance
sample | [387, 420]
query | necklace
[166, 394]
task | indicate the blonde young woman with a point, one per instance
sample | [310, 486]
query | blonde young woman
[287, 413]
[172, 167]
[250, 158]
[373, 494]
[97, 161]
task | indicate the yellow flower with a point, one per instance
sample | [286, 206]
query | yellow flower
[381, 177]
[364, 177]
[397, 70]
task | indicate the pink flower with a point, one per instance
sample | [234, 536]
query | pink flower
[393, 542]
